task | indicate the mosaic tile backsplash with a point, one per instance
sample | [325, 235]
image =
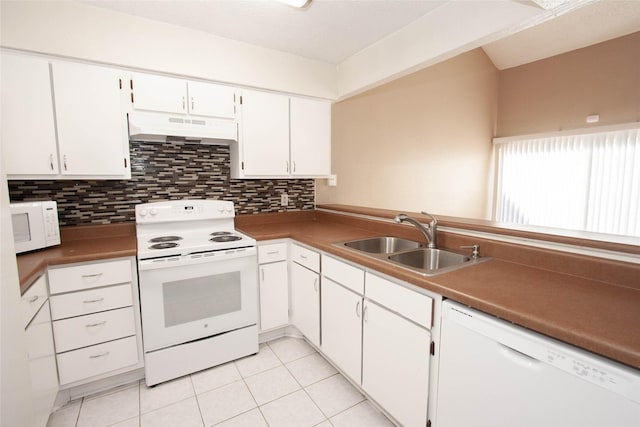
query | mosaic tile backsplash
[164, 171]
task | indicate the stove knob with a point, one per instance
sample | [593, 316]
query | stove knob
[153, 212]
[221, 210]
[143, 212]
[228, 211]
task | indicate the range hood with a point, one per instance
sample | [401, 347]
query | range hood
[157, 127]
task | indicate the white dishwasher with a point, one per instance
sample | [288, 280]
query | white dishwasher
[493, 373]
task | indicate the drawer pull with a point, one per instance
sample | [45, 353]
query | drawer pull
[92, 278]
[93, 325]
[91, 301]
[273, 253]
[303, 256]
[33, 299]
[95, 356]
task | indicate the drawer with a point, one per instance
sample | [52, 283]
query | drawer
[93, 301]
[343, 273]
[305, 257]
[87, 276]
[410, 304]
[98, 359]
[272, 252]
[33, 299]
[83, 331]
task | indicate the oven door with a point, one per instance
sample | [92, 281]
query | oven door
[197, 296]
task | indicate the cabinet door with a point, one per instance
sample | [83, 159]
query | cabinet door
[310, 137]
[92, 123]
[305, 302]
[157, 93]
[265, 134]
[28, 133]
[274, 295]
[42, 365]
[395, 364]
[206, 99]
[342, 328]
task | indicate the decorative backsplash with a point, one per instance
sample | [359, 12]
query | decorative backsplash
[164, 171]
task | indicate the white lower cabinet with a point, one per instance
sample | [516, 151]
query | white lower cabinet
[40, 351]
[342, 328]
[305, 294]
[395, 364]
[96, 319]
[274, 285]
[377, 332]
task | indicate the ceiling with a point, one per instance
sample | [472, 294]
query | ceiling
[333, 30]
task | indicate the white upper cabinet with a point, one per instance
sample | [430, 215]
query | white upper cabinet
[28, 130]
[156, 93]
[282, 137]
[63, 120]
[91, 120]
[177, 96]
[310, 137]
[264, 139]
[206, 99]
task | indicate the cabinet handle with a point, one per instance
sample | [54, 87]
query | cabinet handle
[106, 353]
[358, 309]
[294, 166]
[192, 103]
[64, 161]
[315, 284]
[51, 161]
[33, 299]
[364, 314]
[91, 278]
[287, 167]
[93, 325]
[91, 301]
[183, 103]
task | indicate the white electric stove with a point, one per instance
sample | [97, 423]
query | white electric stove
[198, 287]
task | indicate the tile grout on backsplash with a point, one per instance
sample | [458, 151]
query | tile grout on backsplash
[164, 171]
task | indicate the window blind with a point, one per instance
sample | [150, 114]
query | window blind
[588, 181]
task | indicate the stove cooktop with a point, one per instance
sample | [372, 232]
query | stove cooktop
[184, 227]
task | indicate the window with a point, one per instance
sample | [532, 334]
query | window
[578, 181]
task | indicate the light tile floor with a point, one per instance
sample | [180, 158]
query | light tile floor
[287, 384]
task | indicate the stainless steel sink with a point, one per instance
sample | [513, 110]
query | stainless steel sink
[382, 245]
[429, 259]
[411, 255]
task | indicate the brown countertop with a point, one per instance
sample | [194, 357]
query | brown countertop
[79, 244]
[598, 316]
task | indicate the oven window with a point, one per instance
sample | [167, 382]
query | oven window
[201, 298]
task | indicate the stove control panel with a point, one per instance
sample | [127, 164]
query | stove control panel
[184, 210]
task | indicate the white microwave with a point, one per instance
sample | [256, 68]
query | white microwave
[35, 225]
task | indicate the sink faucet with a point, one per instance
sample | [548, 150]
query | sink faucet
[429, 231]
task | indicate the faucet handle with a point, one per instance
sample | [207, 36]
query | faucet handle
[434, 221]
[475, 253]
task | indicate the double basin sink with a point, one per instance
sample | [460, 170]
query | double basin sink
[411, 255]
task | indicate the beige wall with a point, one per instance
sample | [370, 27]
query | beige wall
[422, 142]
[558, 93]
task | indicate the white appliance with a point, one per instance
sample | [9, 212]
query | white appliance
[156, 127]
[198, 287]
[493, 373]
[35, 225]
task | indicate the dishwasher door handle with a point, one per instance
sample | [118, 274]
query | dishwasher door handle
[519, 357]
